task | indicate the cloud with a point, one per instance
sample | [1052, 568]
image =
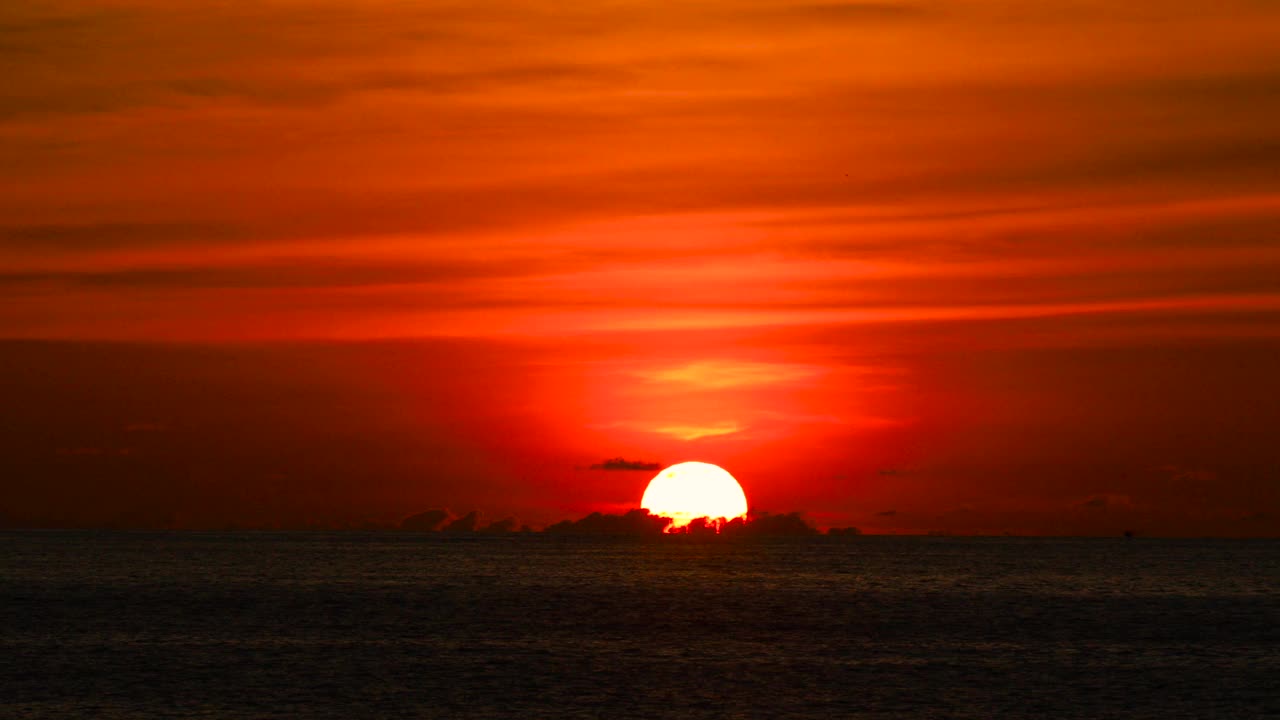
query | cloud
[428, 521]
[111, 235]
[887, 513]
[619, 463]
[641, 522]
[697, 432]
[444, 521]
[770, 524]
[311, 92]
[632, 522]
[505, 525]
[680, 431]
[465, 524]
[157, 56]
[722, 374]
[846, 531]
[282, 273]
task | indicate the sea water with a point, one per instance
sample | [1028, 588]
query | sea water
[390, 625]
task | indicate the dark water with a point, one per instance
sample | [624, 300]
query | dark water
[346, 625]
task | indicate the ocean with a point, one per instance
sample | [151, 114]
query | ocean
[399, 625]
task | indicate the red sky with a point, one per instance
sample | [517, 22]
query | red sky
[970, 265]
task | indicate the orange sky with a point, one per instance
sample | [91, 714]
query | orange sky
[978, 266]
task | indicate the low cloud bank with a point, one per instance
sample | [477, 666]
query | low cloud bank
[429, 521]
[772, 525]
[441, 520]
[635, 522]
[844, 531]
[632, 522]
[640, 522]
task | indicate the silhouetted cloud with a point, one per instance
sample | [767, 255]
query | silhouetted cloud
[844, 531]
[429, 521]
[445, 521]
[641, 522]
[887, 513]
[465, 524]
[503, 526]
[619, 463]
[769, 524]
[632, 522]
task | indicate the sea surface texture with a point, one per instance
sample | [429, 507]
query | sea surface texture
[390, 625]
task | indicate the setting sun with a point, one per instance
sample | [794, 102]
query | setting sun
[690, 490]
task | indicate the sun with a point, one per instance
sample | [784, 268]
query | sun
[691, 490]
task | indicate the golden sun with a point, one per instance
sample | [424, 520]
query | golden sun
[690, 490]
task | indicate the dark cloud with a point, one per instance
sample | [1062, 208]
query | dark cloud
[111, 235]
[619, 463]
[770, 525]
[640, 522]
[466, 524]
[428, 521]
[505, 525]
[81, 101]
[887, 513]
[844, 531]
[439, 83]
[444, 521]
[153, 57]
[1196, 149]
[1240, 160]
[632, 522]
[283, 274]
[13, 29]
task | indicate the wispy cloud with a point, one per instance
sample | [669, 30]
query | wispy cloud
[616, 167]
[723, 374]
[698, 432]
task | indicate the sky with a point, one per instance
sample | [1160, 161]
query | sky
[966, 266]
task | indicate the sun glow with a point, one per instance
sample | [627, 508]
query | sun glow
[690, 490]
